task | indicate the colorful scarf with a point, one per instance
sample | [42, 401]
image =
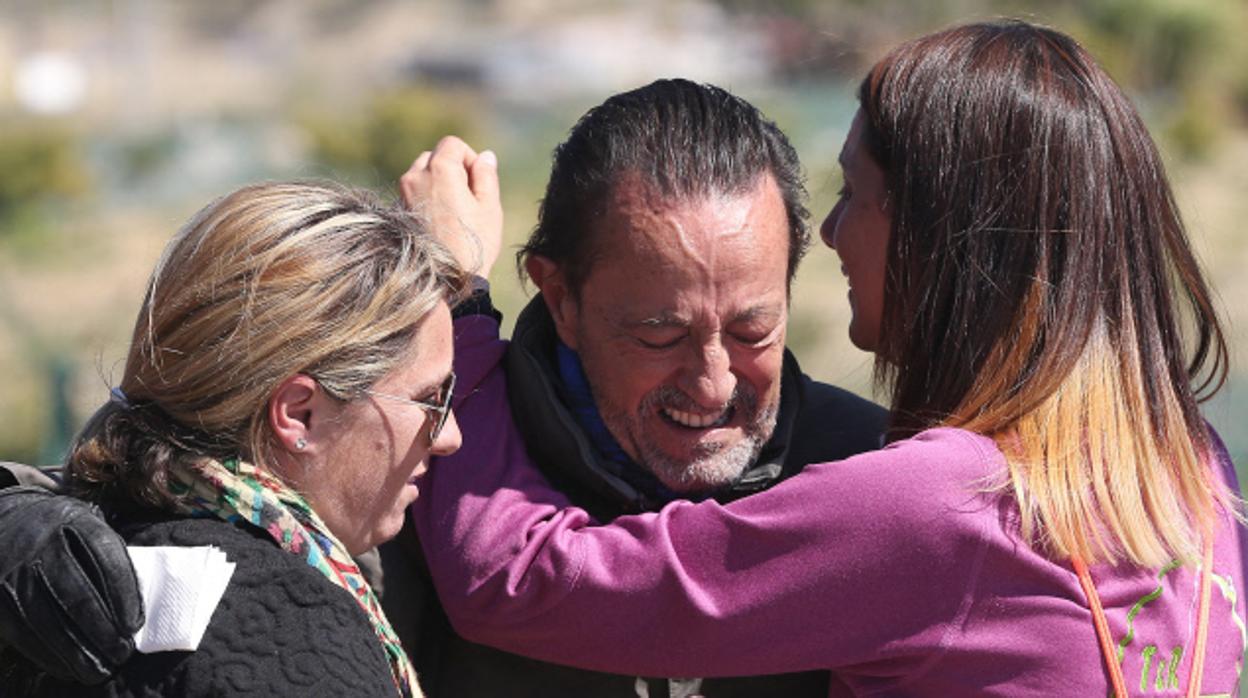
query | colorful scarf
[241, 493]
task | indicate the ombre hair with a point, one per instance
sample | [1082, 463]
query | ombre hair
[266, 282]
[1040, 288]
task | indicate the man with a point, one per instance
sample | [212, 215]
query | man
[651, 366]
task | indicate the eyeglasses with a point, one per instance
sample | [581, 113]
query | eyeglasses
[438, 411]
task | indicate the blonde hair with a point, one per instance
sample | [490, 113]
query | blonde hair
[268, 281]
[1098, 470]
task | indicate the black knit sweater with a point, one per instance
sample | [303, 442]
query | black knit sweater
[281, 629]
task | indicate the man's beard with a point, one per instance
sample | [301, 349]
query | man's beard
[714, 465]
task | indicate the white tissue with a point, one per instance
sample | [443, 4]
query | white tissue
[181, 587]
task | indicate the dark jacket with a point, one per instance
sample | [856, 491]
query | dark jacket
[816, 423]
[281, 629]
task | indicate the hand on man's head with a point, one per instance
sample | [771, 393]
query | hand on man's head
[457, 189]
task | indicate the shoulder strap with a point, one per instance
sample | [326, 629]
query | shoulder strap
[1202, 624]
[1106, 640]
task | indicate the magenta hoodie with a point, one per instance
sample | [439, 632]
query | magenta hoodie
[901, 570]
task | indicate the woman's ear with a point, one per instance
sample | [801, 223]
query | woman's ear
[560, 301]
[293, 409]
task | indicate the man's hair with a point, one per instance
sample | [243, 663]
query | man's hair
[268, 281]
[686, 141]
[1040, 287]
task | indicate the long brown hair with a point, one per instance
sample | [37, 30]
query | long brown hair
[1040, 287]
[268, 281]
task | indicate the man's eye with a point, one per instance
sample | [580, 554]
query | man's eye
[754, 339]
[659, 342]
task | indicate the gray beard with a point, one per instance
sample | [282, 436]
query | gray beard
[717, 468]
[714, 466]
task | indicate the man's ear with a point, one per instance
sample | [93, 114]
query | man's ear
[294, 408]
[563, 305]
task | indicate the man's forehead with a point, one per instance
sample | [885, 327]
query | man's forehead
[665, 260]
[639, 218]
[749, 311]
[632, 189]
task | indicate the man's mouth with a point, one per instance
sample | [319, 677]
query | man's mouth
[690, 420]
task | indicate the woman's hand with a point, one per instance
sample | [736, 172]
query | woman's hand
[457, 189]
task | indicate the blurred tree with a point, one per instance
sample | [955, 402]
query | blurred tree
[38, 162]
[144, 155]
[60, 426]
[379, 144]
[1185, 57]
[1163, 44]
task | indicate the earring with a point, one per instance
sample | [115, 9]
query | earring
[301, 443]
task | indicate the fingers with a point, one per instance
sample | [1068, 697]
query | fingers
[73, 589]
[15, 632]
[483, 177]
[92, 634]
[102, 555]
[61, 650]
[413, 184]
[24, 523]
[450, 158]
[458, 190]
[85, 574]
[444, 167]
[452, 150]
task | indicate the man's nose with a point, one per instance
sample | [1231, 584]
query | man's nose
[709, 378]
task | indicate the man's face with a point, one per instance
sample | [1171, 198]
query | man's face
[680, 327]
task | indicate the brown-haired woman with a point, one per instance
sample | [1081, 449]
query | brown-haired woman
[289, 375]
[1051, 515]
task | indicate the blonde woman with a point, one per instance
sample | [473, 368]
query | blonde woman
[1051, 516]
[288, 377]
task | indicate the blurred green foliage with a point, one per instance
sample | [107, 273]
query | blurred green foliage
[1187, 57]
[144, 155]
[39, 162]
[377, 144]
[1185, 60]
[1164, 44]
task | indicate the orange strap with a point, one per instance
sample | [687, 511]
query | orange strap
[1202, 624]
[1107, 642]
[1102, 628]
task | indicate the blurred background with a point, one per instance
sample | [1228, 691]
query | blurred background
[119, 119]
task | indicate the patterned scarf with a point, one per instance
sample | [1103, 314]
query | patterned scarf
[241, 493]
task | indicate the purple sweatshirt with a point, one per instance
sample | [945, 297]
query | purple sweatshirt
[898, 569]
